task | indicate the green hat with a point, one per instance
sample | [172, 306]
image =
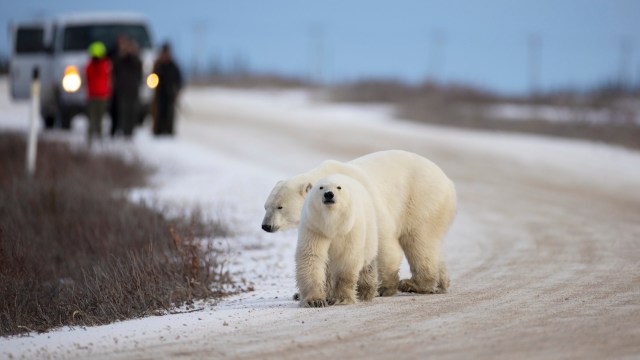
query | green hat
[97, 49]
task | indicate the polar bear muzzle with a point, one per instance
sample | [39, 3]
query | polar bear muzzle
[328, 198]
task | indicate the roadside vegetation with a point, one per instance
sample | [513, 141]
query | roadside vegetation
[74, 251]
[606, 114]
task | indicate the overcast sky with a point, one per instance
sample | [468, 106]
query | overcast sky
[496, 44]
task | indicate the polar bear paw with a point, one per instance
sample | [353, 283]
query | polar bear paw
[314, 303]
[410, 286]
[341, 301]
[387, 291]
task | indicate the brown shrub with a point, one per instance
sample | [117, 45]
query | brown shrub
[73, 253]
[463, 106]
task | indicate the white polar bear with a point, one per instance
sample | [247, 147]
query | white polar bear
[337, 244]
[415, 204]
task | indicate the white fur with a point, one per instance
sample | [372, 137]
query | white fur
[336, 242]
[415, 204]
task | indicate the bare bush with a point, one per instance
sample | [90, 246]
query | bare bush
[464, 106]
[73, 254]
[251, 80]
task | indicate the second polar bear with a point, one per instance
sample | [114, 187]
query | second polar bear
[415, 204]
[337, 244]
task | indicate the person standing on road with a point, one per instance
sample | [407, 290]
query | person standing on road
[127, 75]
[166, 94]
[113, 53]
[98, 75]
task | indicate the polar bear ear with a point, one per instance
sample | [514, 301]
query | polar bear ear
[304, 189]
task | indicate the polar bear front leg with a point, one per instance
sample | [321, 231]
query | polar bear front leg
[343, 286]
[368, 282]
[296, 296]
[311, 264]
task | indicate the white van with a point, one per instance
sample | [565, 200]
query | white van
[57, 47]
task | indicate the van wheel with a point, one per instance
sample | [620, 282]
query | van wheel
[64, 118]
[63, 115]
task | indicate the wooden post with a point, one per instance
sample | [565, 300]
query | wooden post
[32, 144]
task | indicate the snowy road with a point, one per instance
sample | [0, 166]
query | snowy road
[544, 256]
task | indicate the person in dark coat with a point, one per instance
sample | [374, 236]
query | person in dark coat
[127, 74]
[113, 54]
[166, 94]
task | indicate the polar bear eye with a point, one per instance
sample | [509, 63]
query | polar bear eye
[279, 207]
[321, 187]
[339, 187]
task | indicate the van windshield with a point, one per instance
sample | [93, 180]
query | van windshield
[79, 37]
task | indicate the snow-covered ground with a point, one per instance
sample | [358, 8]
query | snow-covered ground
[564, 114]
[543, 255]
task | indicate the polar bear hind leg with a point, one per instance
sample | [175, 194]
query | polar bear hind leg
[389, 258]
[422, 249]
[443, 278]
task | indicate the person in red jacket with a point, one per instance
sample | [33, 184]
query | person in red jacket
[98, 75]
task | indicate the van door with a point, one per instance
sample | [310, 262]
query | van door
[28, 52]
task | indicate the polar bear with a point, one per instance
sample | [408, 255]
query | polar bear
[337, 244]
[415, 204]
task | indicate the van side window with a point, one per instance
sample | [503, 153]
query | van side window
[29, 40]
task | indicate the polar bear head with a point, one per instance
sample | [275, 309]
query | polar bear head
[328, 206]
[332, 192]
[284, 205]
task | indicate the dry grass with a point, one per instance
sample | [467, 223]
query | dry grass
[251, 81]
[72, 253]
[461, 106]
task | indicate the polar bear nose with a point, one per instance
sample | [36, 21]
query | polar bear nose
[328, 195]
[267, 228]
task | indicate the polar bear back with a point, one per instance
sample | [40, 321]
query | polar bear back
[406, 185]
[406, 189]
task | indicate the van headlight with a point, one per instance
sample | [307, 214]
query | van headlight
[152, 81]
[71, 81]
